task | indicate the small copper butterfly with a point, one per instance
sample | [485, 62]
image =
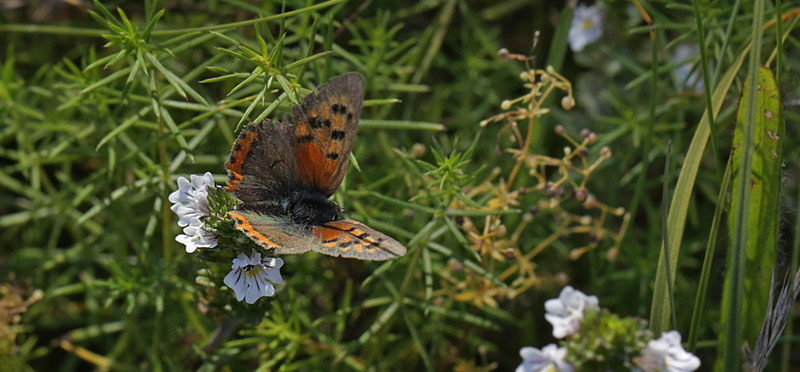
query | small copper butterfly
[284, 172]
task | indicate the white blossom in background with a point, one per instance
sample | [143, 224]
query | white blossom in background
[550, 359]
[190, 203]
[252, 278]
[586, 27]
[682, 72]
[565, 313]
[667, 355]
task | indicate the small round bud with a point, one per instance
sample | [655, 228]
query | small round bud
[454, 265]
[418, 150]
[468, 226]
[599, 237]
[549, 190]
[586, 220]
[503, 54]
[559, 129]
[528, 217]
[501, 231]
[590, 201]
[505, 105]
[592, 138]
[567, 103]
[581, 193]
[524, 75]
[605, 152]
[567, 150]
[583, 151]
[585, 132]
[509, 254]
[612, 254]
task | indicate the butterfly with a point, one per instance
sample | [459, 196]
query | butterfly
[283, 172]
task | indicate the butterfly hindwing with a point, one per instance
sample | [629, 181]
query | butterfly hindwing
[352, 239]
[325, 125]
[261, 164]
[273, 232]
[346, 238]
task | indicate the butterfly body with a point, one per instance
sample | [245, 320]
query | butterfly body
[284, 172]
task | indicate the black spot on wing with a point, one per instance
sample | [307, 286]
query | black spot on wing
[306, 138]
[338, 135]
[314, 122]
[333, 155]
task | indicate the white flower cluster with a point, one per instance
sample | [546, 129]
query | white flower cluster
[251, 277]
[566, 313]
[190, 203]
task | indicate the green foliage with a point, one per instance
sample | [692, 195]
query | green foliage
[764, 185]
[606, 341]
[463, 154]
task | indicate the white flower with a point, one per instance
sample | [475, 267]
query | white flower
[190, 203]
[565, 313]
[586, 27]
[667, 355]
[550, 359]
[194, 236]
[191, 198]
[686, 52]
[250, 277]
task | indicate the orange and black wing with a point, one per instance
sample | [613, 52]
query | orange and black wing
[262, 165]
[352, 239]
[324, 126]
[341, 238]
[273, 232]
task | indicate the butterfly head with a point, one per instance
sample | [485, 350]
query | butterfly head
[311, 208]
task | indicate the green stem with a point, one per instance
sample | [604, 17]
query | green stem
[707, 86]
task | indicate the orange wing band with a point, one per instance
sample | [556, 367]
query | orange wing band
[244, 225]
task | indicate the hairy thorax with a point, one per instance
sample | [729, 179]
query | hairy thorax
[311, 207]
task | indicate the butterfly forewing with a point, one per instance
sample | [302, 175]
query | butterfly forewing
[325, 125]
[262, 165]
